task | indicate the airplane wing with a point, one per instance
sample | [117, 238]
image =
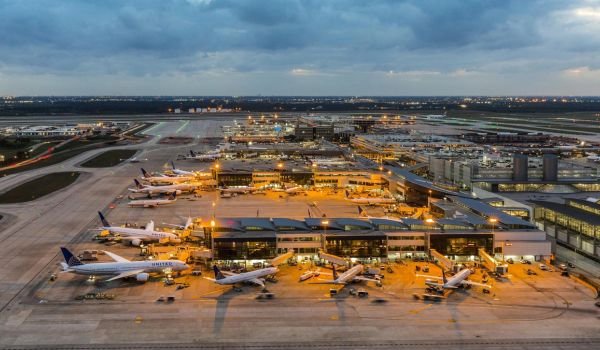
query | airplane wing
[115, 257]
[361, 278]
[257, 281]
[429, 276]
[471, 283]
[435, 296]
[125, 274]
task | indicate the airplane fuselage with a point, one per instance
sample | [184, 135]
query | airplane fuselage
[116, 268]
[145, 235]
[247, 276]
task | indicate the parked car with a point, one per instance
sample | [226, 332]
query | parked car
[543, 267]
[510, 261]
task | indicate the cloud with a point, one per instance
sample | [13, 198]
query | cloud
[426, 41]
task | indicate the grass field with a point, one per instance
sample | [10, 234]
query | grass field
[38, 187]
[109, 158]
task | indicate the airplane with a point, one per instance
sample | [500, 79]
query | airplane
[165, 179]
[351, 275]
[310, 274]
[454, 282]
[238, 189]
[181, 172]
[226, 277]
[364, 214]
[291, 190]
[152, 203]
[371, 201]
[121, 267]
[167, 189]
[188, 223]
[212, 155]
[593, 158]
[136, 235]
[134, 160]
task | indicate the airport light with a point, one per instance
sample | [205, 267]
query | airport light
[429, 221]
[324, 223]
[280, 165]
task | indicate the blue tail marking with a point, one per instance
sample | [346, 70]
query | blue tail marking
[70, 259]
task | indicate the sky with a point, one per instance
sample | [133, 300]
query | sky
[300, 47]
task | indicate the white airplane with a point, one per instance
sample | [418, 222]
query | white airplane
[122, 267]
[290, 190]
[165, 179]
[167, 189]
[153, 203]
[454, 282]
[371, 201]
[364, 214]
[134, 160]
[593, 158]
[137, 235]
[226, 277]
[351, 275]
[181, 172]
[212, 155]
[310, 274]
[188, 223]
[238, 189]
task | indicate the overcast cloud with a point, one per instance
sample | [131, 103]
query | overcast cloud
[296, 47]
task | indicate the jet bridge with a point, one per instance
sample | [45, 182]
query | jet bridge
[334, 259]
[446, 263]
[492, 264]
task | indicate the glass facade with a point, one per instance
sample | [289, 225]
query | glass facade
[463, 245]
[357, 247]
[246, 248]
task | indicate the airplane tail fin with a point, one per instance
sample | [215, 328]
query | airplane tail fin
[144, 172]
[103, 220]
[70, 259]
[335, 275]
[444, 276]
[361, 211]
[138, 185]
[218, 274]
[173, 165]
[347, 193]
[192, 153]
[173, 196]
[188, 223]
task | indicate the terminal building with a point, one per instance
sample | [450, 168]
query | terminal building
[521, 174]
[574, 227]
[369, 240]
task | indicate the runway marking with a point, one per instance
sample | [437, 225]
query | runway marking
[182, 127]
[417, 311]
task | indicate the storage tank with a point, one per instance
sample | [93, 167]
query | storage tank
[520, 165]
[550, 167]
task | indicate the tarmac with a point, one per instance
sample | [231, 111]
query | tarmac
[546, 311]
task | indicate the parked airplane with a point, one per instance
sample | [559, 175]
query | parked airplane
[167, 189]
[181, 172]
[364, 214]
[122, 268]
[351, 275]
[226, 277]
[188, 223]
[134, 160]
[152, 203]
[136, 235]
[454, 282]
[371, 201]
[238, 189]
[165, 179]
[213, 155]
[290, 190]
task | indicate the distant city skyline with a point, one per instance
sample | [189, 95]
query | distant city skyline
[295, 48]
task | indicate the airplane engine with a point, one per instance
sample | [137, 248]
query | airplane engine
[142, 277]
[136, 242]
[175, 240]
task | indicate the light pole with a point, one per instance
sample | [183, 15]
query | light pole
[429, 222]
[493, 222]
[324, 223]
[217, 166]
[429, 200]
